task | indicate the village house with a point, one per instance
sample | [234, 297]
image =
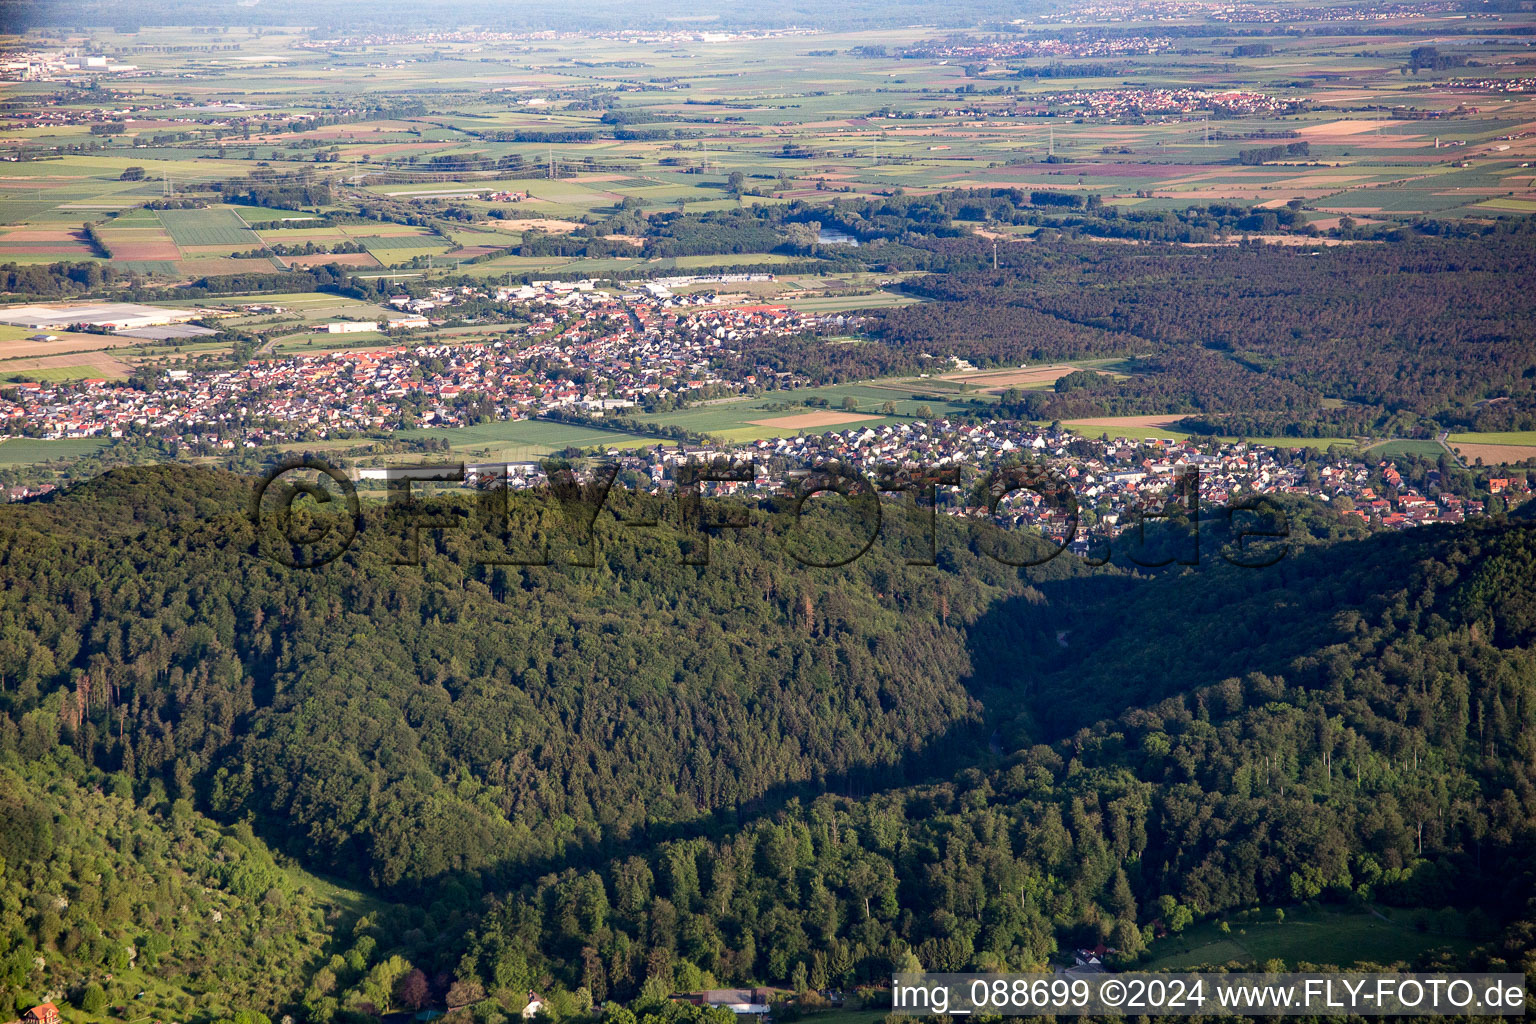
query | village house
[43, 1013]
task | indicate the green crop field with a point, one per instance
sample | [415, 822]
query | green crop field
[1130, 433]
[1517, 437]
[311, 343]
[214, 226]
[399, 242]
[52, 373]
[27, 451]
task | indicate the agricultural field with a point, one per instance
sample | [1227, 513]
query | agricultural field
[64, 355]
[997, 381]
[25, 451]
[1509, 437]
[37, 370]
[795, 119]
[521, 440]
[19, 342]
[217, 227]
[531, 151]
[1496, 448]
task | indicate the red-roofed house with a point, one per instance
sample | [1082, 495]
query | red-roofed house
[46, 1013]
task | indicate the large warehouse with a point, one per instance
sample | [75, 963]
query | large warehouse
[113, 316]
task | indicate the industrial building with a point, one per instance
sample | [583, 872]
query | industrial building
[111, 316]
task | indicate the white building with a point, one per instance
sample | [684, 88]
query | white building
[113, 316]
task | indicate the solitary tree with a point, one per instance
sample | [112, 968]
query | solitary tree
[93, 1000]
[414, 992]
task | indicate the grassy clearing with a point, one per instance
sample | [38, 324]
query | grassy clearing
[334, 895]
[1391, 449]
[521, 440]
[1323, 936]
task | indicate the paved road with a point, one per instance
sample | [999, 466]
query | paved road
[1443, 438]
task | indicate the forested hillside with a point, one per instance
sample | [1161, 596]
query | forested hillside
[399, 722]
[116, 897]
[609, 782]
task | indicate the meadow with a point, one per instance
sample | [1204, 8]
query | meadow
[1422, 449]
[1346, 938]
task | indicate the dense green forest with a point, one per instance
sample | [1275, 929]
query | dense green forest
[1250, 340]
[117, 897]
[613, 782]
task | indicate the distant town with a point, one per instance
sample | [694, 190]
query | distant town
[593, 354]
